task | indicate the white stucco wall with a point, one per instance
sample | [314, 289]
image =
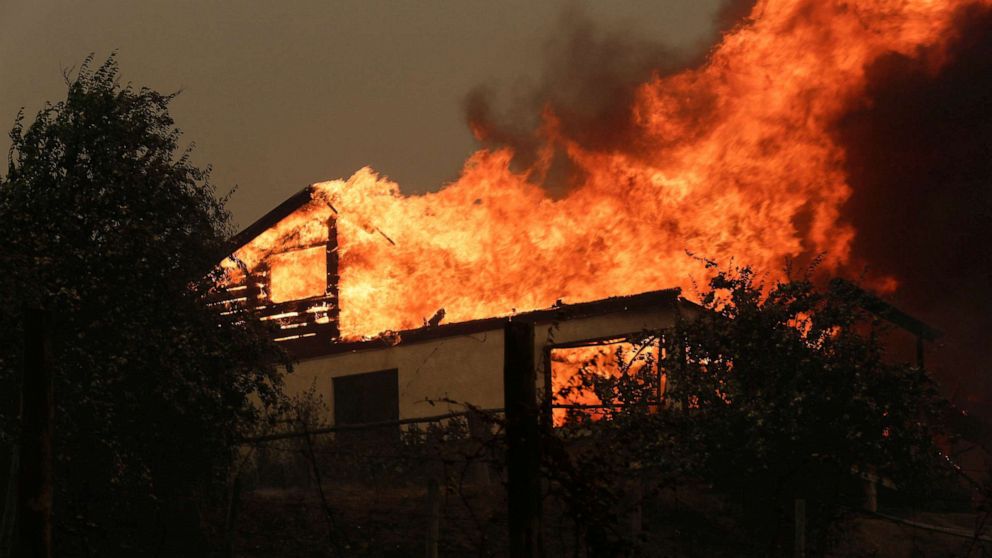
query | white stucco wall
[463, 368]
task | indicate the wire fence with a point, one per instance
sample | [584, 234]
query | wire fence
[431, 486]
[437, 486]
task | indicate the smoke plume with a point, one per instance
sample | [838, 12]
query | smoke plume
[587, 85]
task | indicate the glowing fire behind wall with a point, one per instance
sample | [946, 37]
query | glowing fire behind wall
[639, 360]
[733, 159]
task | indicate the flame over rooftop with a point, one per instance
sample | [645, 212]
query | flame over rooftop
[733, 159]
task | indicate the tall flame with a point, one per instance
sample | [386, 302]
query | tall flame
[732, 159]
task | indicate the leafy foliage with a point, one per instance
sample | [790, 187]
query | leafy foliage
[773, 392]
[801, 378]
[106, 224]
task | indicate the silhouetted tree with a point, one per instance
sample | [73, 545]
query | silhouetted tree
[107, 224]
[774, 392]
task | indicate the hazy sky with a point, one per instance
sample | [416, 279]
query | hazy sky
[277, 95]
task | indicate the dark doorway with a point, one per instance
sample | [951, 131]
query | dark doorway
[367, 398]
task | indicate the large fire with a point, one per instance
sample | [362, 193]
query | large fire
[732, 159]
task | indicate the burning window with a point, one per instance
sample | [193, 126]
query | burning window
[595, 376]
[298, 274]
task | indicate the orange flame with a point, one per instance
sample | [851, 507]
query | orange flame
[734, 159]
[608, 360]
[298, 274]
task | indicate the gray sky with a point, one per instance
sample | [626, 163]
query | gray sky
[277, 95]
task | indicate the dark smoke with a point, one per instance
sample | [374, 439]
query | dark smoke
[589, 79]
[920, 163]
[733, 13]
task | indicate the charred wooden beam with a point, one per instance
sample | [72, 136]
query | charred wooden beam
[332, 271]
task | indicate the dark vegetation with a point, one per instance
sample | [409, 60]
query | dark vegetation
[780, 392]
[919, 167]
[107, 226]
[776, 393]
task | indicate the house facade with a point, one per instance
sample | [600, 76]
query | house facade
[416, 372]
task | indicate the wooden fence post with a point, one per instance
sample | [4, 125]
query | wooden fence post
[231, 518]
[523, 444]
[433, 518]
[35, 478]
[799, 544]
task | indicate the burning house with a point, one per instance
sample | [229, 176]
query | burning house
[741, 158]
[286, 269]
[295, 268]
[377, 357]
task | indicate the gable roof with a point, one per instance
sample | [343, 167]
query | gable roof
[269, 220]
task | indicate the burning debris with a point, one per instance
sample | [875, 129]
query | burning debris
[435, 319]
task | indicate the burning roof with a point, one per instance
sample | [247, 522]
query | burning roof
[734, 159]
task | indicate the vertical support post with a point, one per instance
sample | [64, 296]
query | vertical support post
[547, 408]
[434, 518]
[799, 545]
[332, 273]
[7, 524]
[332, 260]
[35, 478]
[523, 444]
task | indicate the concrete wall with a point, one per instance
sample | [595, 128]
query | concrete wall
[463, 368]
